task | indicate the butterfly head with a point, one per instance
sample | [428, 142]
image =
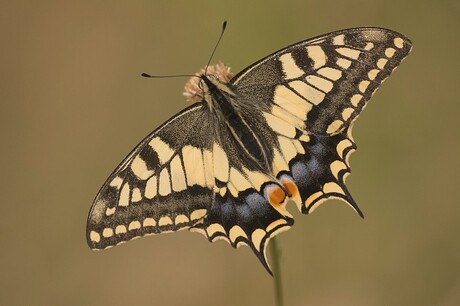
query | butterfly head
[193, 90]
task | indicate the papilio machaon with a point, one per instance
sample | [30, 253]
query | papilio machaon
[227, 165]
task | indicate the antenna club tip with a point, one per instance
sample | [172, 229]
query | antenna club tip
[145, 75]
[224, 25]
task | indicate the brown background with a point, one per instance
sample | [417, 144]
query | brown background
[72, 105]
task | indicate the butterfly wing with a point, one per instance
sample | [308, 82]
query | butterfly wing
[248, 206]
[319, 87]
[187, 174]
[161, 185]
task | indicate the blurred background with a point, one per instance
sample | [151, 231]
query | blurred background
[73, 104]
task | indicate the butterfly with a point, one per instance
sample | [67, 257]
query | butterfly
[227, 165]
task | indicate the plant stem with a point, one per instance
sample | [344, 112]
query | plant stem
[276, 256]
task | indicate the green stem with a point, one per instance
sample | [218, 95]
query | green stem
[276, 256]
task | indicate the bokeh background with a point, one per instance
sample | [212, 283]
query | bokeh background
[72, 105]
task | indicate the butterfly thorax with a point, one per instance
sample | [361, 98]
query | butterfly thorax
[221, 99]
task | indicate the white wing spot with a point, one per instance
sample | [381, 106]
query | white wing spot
[164, 187]
[107, 232]
[336, 167]
[381, 63]
[94, 236]
[181, 219]
[355, 99]
[347, 112]
[194, 166]
[332, 187]
[339, 40]
[334, 126]
[369, 46]
[330, 73]
[215, 228]
[116, 182]
[151, 188]
[363, 86]
[389, 52]
[290, 69]
[149, 222]
[236, 232]
[343, 63]
[304, 138]
[275, 224]
[318, 56]
[162, 149]
[399, 42]
[221, 166]
[311, 199]
[317, 203]
[342, 145]
[120, 229]
[198, 214]
[165, 221]
[124, 195]
[208, 168]
[110, 211]
[134, 225]
[139, 168]
[177, 174]
[136, 196]
[223, 191]
[373, 74]
[350, 53]
[257, 237]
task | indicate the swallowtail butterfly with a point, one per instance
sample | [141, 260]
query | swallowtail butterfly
[227, 165]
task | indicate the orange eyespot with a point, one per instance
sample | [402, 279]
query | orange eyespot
[289, 185]
[291, 188]
[275, 194]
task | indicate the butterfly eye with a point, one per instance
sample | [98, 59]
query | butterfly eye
[200, 84]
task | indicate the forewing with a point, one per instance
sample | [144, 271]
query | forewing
[312, 92]
[161, 185]
[324, 83]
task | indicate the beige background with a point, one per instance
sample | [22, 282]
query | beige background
[72, 105]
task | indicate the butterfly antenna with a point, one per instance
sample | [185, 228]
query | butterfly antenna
[224, 25]
[146, 75]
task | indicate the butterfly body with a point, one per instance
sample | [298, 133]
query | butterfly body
[226, 166]
[233, 122]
